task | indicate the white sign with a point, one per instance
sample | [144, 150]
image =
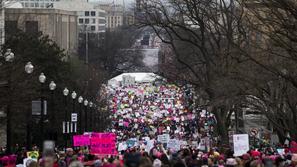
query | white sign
[74, 117]
[240, 144]
[149, 145]
[163, 138]
[204, 144]
[48, 145]
[122, 146]
[173, 144]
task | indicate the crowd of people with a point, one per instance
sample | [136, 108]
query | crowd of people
[158, 156]
[147, 109]
[144, 111]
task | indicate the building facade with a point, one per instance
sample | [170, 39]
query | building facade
[59, 25]
[89, 18]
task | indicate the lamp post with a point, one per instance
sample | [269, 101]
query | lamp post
[73, 123]
[42, 79]
[80, 100]
[86, 114]
[29, 68]
[9, 57]
[65, 122]
[91, 116]
[52, 87]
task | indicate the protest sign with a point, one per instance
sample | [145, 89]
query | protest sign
[240, 144]
[163, 138]
[122, 146]
[173, 144]
[149, 145]
[81, 140]
[33, 155]
[103, 144]
[131, 142]
[204, 144]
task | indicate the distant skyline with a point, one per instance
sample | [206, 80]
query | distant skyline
[127, 2]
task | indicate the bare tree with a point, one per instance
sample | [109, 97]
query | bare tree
[202, 34]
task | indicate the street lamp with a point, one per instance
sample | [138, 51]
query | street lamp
[86, 114]
[80, 101]
[42, 79]
[65, 122]
[73, 96]
[29, 68]
[9, 55]
[91, 115]
[52, 87]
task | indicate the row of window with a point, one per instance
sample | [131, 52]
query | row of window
[37, 0]
[100, 28]
[92, 21]
[37, 5]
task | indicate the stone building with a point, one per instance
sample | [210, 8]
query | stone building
[59, 25]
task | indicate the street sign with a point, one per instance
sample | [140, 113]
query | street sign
[36, 107]
[73, 117]
[254, 132]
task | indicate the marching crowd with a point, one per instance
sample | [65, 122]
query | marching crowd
[144, 111]
[157, 157]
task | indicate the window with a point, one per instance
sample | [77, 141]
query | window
[11, 27]
[102, 14]
[31, 27]
[87, 21]
[101, 21]
[93, 13]
[101, 28]
[87, 13]
[81, 21]
[93, 28]
[93, 21]
[37, 5]
[32, 5]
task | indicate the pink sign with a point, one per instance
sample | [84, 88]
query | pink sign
[81, 140]
[103, 144]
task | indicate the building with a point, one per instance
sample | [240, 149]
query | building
[129, 18]
[59, 25]
[89, 18]
[114, 15]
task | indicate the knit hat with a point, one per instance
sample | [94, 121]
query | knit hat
[231, 161]
[157, 163]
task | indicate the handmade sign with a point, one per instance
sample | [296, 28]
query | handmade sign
[240, 144]
[33, 155]
[103, 144]
[173, 144]
[81, 140]
[163, 138]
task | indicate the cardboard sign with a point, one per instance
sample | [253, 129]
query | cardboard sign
[163, 138]
[103, 144]
[240, 144]
[81, 140]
